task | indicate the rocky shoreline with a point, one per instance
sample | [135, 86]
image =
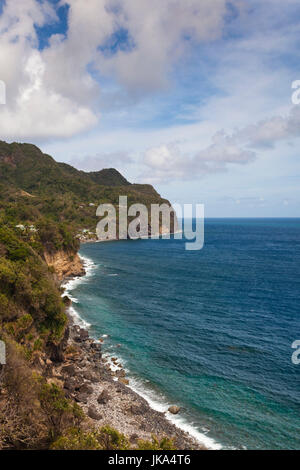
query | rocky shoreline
[103, 392]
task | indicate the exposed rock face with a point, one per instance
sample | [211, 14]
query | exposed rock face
[67, 301]
[65, 264]
[56, 350]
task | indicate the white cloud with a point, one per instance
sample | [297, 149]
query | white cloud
[161, 33]
[53, 93]
[99, 161]
[167, 162]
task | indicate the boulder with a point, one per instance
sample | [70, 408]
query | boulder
[88, 375]
[86, 389]
[133, 438]
[120, 373]
[123, 381]
[67, 301]
[69, 370]
[69, 384]
[81, 398]
[94, 378]
[82, 335]
[96, 346]
[139, 409]
[174, 409]
[93, 413]
[104, 397]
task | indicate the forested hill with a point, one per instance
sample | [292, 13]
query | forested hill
[37, 190]
[44, 207]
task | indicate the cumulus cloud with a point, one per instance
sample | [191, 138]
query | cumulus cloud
[160, 33]
[55, 92]
[99, 161]
[35, 108]
[167, 162]
[269, 131]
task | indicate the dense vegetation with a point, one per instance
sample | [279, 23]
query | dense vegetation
[43, 205]
[36, 189]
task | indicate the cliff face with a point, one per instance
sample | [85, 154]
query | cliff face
[65, 264]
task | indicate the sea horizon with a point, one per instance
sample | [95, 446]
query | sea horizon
[101, 313]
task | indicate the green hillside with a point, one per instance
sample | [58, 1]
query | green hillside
[44, 205]
[37, 190]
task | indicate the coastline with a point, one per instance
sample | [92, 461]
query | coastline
[135, 412]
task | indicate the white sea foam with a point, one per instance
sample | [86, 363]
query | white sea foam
[71, 284]
[159, 402]
[156, 401]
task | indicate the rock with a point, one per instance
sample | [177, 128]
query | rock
[104, 397]
[86, 389]
[38, 362]
[81, 398]
[56, 350]
[133, 438]
[83, 335]
[174, 409]
[67, 301]
[139, 409]
[95, 379]
[89, 375]
[93, 413]
[69, 384]
[70, 370]
[120, 373]
[123, 381]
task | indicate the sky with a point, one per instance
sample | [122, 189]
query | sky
[192, 96]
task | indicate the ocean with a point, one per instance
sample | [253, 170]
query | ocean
[209, 330]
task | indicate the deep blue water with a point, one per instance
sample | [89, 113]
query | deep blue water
[210, 330]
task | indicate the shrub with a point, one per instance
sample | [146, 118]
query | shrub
[105, 438]
[60, 412]
[156, 444]
[111, 439]
[76, 439]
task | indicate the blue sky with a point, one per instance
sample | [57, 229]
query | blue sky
[191, 96]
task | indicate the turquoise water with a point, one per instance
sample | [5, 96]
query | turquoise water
[209, 330]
